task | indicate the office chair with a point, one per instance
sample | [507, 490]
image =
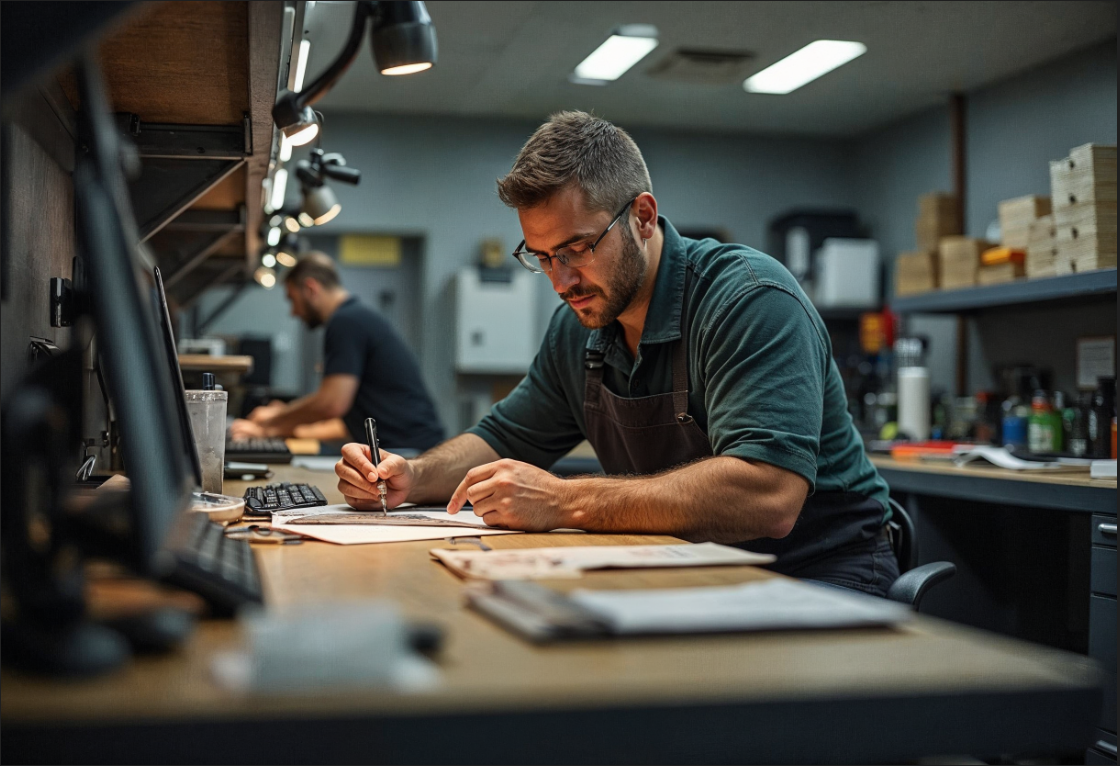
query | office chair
[914, 581]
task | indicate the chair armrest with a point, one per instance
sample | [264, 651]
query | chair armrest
[912, 586]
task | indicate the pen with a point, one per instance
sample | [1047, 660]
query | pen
[375, 458]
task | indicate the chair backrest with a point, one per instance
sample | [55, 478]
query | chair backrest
[904, 539]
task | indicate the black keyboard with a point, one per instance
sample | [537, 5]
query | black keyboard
[270, 498]
[258, 450]
[218, 568]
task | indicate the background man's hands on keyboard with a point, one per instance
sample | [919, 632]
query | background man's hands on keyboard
[260, 414]
[357, 478]
[245, 429]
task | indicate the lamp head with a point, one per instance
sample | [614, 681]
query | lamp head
[403, 38]
[319, 204]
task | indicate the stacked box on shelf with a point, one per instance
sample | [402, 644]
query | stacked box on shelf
[1015, 219]
[938, 216]
[1042, 248]
[1001, 264]
[1083, 192]
[959, 261]
[915, 273]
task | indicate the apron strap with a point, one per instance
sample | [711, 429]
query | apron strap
[680, 358]
[593, 366]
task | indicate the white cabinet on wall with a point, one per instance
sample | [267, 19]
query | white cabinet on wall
[494, 321]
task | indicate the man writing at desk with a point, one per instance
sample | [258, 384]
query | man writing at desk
[700, 373]
[368, 370]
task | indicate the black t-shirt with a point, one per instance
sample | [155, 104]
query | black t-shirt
[360, 342]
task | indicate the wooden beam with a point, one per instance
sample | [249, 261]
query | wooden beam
[265, 29]
[958, 138]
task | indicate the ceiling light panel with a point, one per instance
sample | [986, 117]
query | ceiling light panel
[802, 67]
[616, 56]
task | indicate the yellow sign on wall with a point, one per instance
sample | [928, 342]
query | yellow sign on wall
[369, 250]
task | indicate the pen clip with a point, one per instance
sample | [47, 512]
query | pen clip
[371, 441]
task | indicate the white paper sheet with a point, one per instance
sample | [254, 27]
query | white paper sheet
[771, 605]
[358, 534]
[569, 562]
[315, 462]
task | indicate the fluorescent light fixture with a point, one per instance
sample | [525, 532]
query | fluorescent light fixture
[285, 148]
[292, 225]
[801, 67]
[274, 236]
[268, 260]
[279, 188]
[613, 58]
[286, 259]
[301, 64]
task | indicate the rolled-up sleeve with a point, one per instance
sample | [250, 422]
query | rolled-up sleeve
[765, 364]
[536, 422]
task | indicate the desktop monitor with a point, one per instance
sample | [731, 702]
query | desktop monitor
[151, 432]
[179, 391]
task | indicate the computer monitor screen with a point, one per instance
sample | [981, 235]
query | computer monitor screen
[127, 342]
[179, 391]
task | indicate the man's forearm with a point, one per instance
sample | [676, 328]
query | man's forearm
[439, 470]
[306, 409]
[722, 499]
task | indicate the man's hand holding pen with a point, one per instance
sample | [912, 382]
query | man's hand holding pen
[358, 478]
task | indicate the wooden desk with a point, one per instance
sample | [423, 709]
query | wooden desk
[1068, 491]
[859, 695]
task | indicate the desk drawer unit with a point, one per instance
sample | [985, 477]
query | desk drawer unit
[1102, 614]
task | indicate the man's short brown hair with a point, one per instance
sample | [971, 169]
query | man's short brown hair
[577, 148]
[317, 266]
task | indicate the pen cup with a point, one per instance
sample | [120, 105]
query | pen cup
[207, 411]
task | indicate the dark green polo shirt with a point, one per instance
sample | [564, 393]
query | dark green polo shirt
[762, 381]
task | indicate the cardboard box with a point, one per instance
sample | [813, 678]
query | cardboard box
[1088, 174]
[1085, 236]
[1042, 248]
[938, 217]
[1016, 216]
[959, 261]
[915, 273]
[1003, 272]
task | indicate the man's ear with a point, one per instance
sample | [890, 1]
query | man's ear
[645, 209]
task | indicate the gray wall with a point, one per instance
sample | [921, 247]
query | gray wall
[435, 178]
[1013, 129]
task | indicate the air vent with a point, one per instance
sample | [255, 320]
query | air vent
[703, 67]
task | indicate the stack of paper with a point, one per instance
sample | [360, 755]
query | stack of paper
[342, 525]
[538, 563]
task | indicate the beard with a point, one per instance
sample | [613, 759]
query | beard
[311, 317]
[623, 284]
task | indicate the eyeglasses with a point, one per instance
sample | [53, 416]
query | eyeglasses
[573, 256]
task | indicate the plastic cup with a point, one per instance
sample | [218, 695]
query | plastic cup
[207, 410]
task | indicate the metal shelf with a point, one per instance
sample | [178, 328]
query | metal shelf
[1068, 288]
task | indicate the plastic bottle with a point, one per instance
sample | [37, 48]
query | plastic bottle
[1014, 425]
[1078, 444]
[913, 390]
[1100, 418]
[1040, 425]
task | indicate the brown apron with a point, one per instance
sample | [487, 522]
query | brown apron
[649, 434]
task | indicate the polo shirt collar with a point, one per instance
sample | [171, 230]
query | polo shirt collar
[663, 320]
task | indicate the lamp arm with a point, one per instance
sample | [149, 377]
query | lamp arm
[293, 103]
